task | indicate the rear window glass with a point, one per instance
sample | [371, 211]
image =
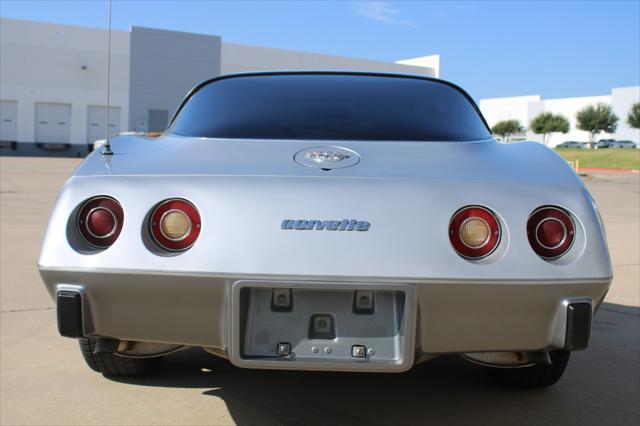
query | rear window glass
[330, 107]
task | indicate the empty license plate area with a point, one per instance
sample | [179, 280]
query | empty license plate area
[303, 326]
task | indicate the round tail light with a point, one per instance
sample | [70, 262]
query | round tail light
[175, 224]
[100, 221]
[474, 232]
[550, 231]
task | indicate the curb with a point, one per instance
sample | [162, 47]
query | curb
[596, 169]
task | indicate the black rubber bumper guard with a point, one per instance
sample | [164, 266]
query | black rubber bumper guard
[578, 326]
[69, 307]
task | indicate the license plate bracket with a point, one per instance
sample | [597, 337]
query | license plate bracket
[322, 327]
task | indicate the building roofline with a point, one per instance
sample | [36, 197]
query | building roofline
[32, 21]
[309, 52]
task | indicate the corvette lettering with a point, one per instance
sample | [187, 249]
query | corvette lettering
[325, 225]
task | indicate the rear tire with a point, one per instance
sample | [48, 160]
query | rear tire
[535, 376]
[114, 365]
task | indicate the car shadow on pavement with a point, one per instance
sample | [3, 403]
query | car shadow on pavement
[296, 397]
[446, 390]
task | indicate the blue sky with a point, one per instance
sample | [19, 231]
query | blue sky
[499, 48]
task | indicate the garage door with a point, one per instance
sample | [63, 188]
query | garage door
[96, 117]
[8, 121]
[158, 120]
[53, 122]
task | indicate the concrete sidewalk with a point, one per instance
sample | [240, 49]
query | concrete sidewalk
[43, 379]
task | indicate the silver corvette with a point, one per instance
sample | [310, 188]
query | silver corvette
[327, 221]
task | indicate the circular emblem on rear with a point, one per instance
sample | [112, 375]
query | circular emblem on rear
[327, 157]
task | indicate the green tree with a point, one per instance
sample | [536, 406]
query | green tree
[506, 128]
[596, 119]
[634, 116]
[546, 123]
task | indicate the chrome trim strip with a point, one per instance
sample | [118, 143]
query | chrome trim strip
[325, 278]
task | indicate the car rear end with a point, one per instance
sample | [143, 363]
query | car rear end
[449, 299]
[324, 254]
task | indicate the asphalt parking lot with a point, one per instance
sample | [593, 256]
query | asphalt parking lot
[44, 380]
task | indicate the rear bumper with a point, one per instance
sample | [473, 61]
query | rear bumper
[450, 317]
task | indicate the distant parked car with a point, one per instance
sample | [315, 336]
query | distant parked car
[604, 143]
[622, 144]
[573, 144]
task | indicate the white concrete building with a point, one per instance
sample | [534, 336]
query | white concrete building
[53, 79]
[52, 83]
[243, 58]
[526, 108]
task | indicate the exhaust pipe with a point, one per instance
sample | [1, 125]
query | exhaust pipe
[507, 359]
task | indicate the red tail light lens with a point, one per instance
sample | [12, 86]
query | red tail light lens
[474, 232]
[100, 220]
[175, 224]
[550, 231]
